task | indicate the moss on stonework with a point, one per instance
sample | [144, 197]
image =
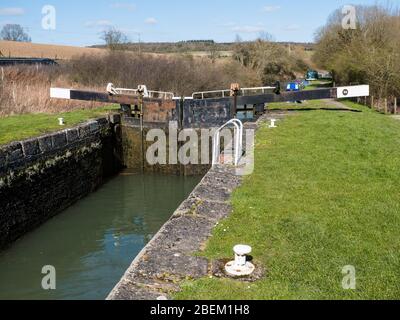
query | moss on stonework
[40, 167]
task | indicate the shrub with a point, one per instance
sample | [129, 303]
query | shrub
[271, 61]
[181, 74]
[370, 54]
[26, 89]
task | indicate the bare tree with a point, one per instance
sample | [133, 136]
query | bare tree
[114, 38]
[370, 54]
[270, 60]
[14, 32]
[213, 55]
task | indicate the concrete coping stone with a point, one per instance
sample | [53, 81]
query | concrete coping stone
[13, 152]
[45, 143]
[72, 135]
[59, 139]
[30, 148]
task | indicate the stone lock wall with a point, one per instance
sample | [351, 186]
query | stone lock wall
[190, 114]
[135, 147]
[41, 177]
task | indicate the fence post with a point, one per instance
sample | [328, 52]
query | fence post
[385, 106]
[395, 105]
[372, 103]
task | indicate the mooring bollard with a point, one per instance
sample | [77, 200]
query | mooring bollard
[273, 125]
[240, 266]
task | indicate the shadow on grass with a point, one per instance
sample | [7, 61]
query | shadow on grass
[323, 85]
[315, 109]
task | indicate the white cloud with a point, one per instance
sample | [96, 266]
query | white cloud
[12, 11]
[292, 27]
[151, 21]
[98, 23]
[271, 8]
[124, 5]
[247, 29]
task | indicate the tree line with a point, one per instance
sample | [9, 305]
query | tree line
[370, 53]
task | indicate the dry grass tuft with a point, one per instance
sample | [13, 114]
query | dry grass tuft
[26, 90]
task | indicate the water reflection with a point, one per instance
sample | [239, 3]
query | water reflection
[92, 243]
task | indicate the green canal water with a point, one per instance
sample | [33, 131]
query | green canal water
[92, 243]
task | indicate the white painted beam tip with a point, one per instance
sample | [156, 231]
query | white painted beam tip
[60, 93]
[353, 91]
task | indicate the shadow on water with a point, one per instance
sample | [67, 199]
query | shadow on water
[92, 243]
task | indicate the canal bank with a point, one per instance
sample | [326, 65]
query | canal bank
[41, 177]
[56, 166]
[171, 257]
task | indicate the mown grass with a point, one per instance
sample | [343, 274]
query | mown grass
[312, 104]
[319, 84]
[324, 195]
[24, 126]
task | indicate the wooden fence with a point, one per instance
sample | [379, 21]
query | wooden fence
[384, 105]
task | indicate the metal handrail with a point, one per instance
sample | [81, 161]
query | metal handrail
[238, 141]
[227, 93]
[141, 89]
[203, 93]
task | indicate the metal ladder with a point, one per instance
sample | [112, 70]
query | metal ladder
[238, 141]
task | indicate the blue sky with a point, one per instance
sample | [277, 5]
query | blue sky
[80, 22]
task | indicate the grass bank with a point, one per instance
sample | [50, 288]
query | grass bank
[318, 84]
[324, 195]
[19, 127]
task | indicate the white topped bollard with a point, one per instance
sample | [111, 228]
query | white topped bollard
[61, 121]
[240, 266]
[273, 123]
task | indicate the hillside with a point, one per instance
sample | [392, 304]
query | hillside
[34, 50]
[219, 50]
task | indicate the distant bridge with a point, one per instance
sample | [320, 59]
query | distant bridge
[26, 61]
